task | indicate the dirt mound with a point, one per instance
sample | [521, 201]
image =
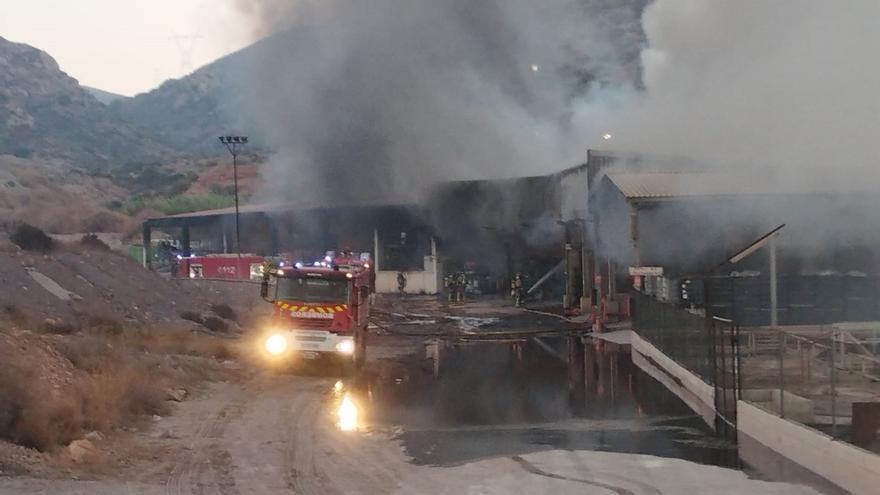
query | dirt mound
[55, 389]
[84, 285]
[90, 340]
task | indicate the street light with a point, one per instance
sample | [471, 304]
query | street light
[232, 143]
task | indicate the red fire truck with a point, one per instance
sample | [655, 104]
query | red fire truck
[320, 311]
[226, 266]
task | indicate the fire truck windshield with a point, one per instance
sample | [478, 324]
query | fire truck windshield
[308, 289]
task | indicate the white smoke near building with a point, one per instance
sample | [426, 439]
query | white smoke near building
[789, 83]
[783, 97]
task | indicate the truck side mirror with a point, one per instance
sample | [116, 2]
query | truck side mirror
[364, 292]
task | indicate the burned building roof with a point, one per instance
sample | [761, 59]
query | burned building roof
[668, 185]
[285, 207]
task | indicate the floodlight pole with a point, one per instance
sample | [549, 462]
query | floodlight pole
[232, 143]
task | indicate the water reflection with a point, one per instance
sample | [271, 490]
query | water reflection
[347, 414]
[500, 399]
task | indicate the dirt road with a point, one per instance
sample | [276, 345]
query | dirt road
[277, 434]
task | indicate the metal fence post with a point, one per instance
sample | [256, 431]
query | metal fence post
[781, 374]
[833, 374]
[739, 370]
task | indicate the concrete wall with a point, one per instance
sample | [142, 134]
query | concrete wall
[797, 408]
[426, 281]
[697, 394]
[845, 465]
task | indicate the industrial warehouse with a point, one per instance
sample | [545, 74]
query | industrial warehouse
[630, 241]
[612, 215]
[439, 246]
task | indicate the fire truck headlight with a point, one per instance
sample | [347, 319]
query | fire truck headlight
[276, 344]
[345, 347]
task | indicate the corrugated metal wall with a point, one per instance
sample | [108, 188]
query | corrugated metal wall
[803, 299]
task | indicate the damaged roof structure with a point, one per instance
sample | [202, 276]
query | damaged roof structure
[689, 222]
[496, 227]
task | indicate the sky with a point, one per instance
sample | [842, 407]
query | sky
[144, 42]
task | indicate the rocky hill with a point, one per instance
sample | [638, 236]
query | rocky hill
[189, 113]
[105, 97]
[59, 199]
[44, 113]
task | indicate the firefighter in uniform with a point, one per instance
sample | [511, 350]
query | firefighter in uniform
[449, 284]
[516, 289]
[460, 283]
[401, 283]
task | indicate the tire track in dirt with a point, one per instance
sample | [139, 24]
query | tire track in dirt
[531, 468]
[302, 474]
[204, 468]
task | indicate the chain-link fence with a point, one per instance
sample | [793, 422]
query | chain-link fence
[682, 335]
[802, 299]
[826, 377]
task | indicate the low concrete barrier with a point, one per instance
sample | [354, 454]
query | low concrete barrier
[797, 408]
[697, 394]
[845, 465]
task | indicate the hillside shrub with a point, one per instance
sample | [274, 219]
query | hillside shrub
[215, 324]
[60, 327]
[92, 241]
[31, 238]
[29, 418]
[192, 316]
[224, 311]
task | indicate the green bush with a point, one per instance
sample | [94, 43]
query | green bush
[228, 190]
[151, 179]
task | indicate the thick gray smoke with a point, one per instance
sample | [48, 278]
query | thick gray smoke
[386, 96]
[782, 92]
[791, 83]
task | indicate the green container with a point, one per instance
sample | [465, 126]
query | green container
[137, 253]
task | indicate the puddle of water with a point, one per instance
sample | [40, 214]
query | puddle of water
[493, 401]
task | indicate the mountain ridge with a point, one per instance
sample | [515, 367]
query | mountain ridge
[46, 114]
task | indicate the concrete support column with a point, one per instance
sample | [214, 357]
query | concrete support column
[438, 277]
[227, 241]
[587, 301]
[586, 273]
[185, 242]
[774, 310]
[376, 253]
[635, 256]
[567, 302]
[612, 279]
[147, 232]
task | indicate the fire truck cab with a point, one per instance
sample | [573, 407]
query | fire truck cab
[320, 311]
